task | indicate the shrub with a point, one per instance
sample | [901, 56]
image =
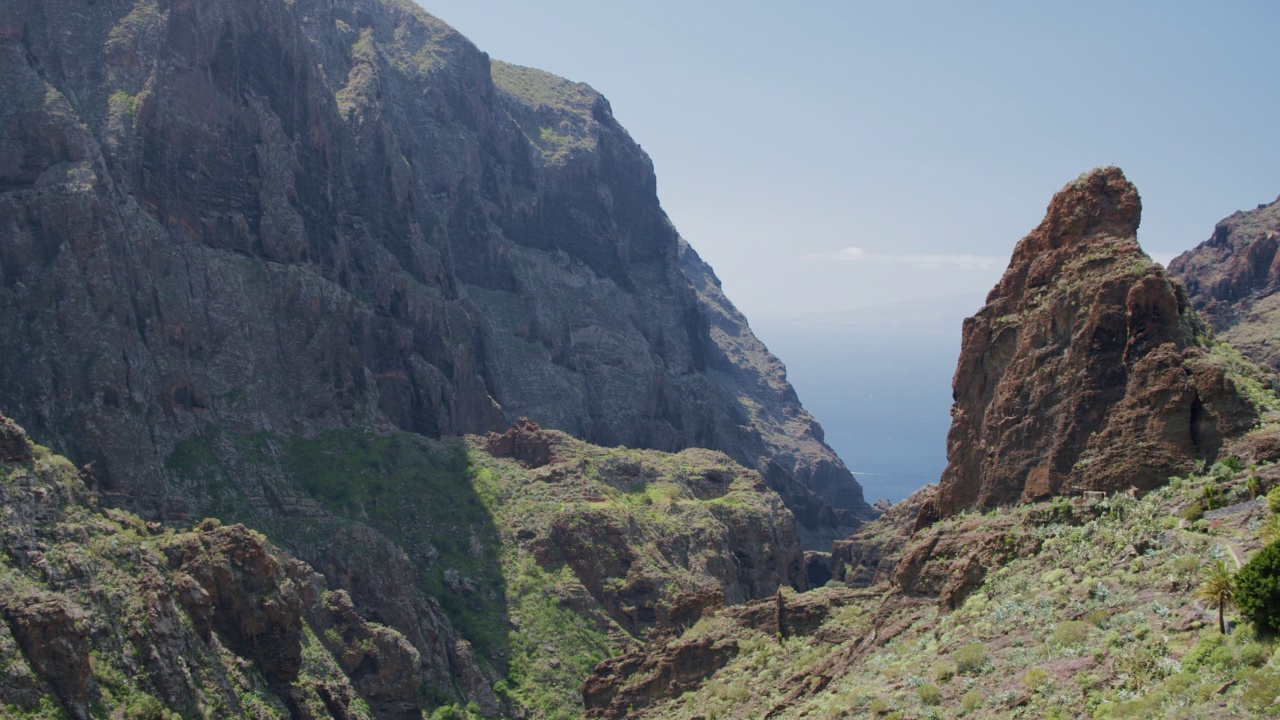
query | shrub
[1198, 655]
[1253, 486]
[944, 671]
[971, 658]
[1273, 499]
[1099, 618]
[1257, 591]
[1070, 633]
[929, 694]
[971, 701]
[1193, 512]
[1210, 496]
[1034, 678]
[1222, 657]
[1253, 655]
[1269, 530]
[1261, 692]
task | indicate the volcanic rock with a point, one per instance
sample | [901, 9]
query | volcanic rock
[295, 216]
[1086, 369]
[1233, 278]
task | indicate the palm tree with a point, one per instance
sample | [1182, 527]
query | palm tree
[1217, 584]
[1269, 531]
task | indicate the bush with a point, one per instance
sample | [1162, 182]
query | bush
[1034, 678]
[1253, 655]
[1261, 691]
[1193, 512]
[929, 694]
[1198, 655]
[971, 658]
[1210, 496]
[1273, 499]
[1070, 633]
[971, 701]
[944, 671]
[1222, 657]
[1257, 593]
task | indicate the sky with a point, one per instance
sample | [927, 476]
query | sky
[826, 156]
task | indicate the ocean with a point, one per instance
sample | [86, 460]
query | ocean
[879, 382]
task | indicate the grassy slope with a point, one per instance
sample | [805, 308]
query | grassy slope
[455, 509]
[1099, 623]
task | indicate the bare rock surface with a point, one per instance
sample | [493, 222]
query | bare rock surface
[1087, 368]
[1233, 279]
[295, 216]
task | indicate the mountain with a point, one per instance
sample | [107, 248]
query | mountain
[1233, 278]
[1028, 583]
[1087, 369]
[507, 567]
[299, 216]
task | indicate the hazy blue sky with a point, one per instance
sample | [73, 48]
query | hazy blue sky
[929, 136]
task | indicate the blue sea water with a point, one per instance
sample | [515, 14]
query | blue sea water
[879, 382]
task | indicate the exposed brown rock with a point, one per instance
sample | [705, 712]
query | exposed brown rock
[523, 441]
[671, 664]
[53, 633]
[14, 446]
[868, 556]
[948, 564]
[1082, 371]
[1233, 279]
[254, 609]
[382, 664]
[635, 680]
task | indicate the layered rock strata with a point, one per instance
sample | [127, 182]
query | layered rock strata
[295, 216]
[1087, 369]
[1233, 278]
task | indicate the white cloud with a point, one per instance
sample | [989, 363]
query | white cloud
[927, 261]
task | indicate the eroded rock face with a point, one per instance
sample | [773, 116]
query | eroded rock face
[14, 446]
[243, 594]
[1233, 279]
[672, 664]
[292, 216]
[1082, 371]
[101, 609]
[53, 633]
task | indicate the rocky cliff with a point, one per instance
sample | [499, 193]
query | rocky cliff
[301, 216]
[1087, 369]
[491, 573]
[1233, 279]
[104, 612]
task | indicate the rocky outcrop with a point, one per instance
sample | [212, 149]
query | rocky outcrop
[53, 634]
[524, 442]
[1083, 371]
[1233, 278]
[658, 539]
[14, 446]
[241, 592]
[293, 216]
[623, 684]
[671, 664]
[101, 609]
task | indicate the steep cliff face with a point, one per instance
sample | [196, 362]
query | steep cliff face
[1233, 278]
[300, 216]
[1083, 370]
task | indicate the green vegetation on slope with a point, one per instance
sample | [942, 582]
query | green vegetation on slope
[1100, 621]
[546, 571]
